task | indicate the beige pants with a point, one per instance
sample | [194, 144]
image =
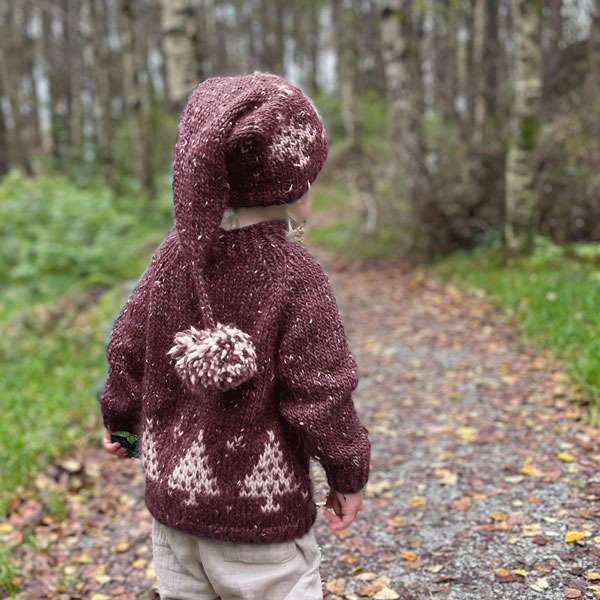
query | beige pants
[194, 568]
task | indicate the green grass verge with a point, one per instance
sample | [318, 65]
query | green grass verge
[554, 298]
[52, 357]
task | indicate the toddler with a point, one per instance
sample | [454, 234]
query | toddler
[230, 359]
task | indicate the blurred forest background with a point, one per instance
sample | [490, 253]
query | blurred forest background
[457, 121]
[465, 132]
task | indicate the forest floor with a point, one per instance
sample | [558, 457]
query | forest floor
[485, 479]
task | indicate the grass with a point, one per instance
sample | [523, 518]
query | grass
[554, 298]
[59, 294]
[52, 357]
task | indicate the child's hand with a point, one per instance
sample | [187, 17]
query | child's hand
[113, 447]
[345, 509]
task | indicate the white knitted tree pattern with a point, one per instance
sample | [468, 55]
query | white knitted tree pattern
[269, 478]
[149, 452]
[193, 475]
[292, 144]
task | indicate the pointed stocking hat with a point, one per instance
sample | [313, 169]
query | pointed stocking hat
[250, 140]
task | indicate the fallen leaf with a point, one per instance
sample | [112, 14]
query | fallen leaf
[530, 470]
[446, 476]
[514, 479]
[368, 576]
[336, 586]
[504, 575]
[531, 529]
[566, 457]
[467, 434]
[408, 555]
[592, 576]
[541, 584]
[572, 593]
[386, 594]
[462, 503]
[498, 516]
[435, 568]
[576, 536]
[418, 501]
[122, 546]
[396, 521]
[521, 572]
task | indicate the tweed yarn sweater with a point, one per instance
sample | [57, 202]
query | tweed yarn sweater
[234, 465]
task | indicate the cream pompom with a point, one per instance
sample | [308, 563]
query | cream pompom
[220, 358]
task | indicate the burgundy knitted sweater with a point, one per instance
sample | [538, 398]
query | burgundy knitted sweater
[234, 465]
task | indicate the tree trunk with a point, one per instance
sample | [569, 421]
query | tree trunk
[593, 78]
[74, 72]
[180, 53]
[403, 69]
[101, 88]
[359, 174]
[521, 196]
[4, 139]
[272, 22]
[10, 71]
[133, 64]
[551, 40]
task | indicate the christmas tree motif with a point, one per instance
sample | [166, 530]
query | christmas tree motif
[149, 452]
[269, 478]
[193, 475]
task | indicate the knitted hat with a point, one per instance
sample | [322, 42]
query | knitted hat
[250, 140]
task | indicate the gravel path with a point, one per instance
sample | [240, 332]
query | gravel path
[485, 481]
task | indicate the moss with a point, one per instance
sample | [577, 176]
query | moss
[528, 134]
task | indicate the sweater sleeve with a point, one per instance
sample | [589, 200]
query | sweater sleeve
[121, 398]
[318, 374]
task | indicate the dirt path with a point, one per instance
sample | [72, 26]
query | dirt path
[485, 483]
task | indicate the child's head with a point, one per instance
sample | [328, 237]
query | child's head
[250, 140]
[247, 141]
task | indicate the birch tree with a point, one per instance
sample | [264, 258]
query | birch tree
[521, 196]
[345, 15]
[133, 64]
[401, 31]
[179, 47]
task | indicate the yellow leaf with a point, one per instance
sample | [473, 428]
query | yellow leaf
[435, 568]
[408, 555]
[100, 597]
[467, 434]
[336, 586]
[84, 559]
[140, 563]
[6, 528]
[597, 539]
[593, 576]
[447, 476]
[122, 547]
[531, 529]
[418, 501]
[521, 572]
[498, 516]
[566, 457]
[386, 594]
[575, 536]
[530, 470]
[396, 521]
[348, 558]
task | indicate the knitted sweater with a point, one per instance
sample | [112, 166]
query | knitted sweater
[234, 465]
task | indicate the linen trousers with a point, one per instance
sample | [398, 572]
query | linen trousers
[194, 568]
